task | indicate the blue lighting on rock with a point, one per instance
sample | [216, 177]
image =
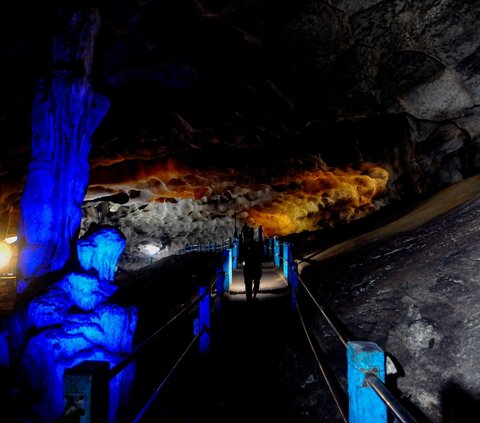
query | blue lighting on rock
[63, 121]
[74, 321]
[100, 251]
[86, 291]
[4, 353]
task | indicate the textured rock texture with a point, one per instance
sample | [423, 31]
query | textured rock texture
[61, 324]
[257, 83]
[415, 295]
[64, 116]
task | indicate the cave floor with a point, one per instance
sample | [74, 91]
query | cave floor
[259, 370]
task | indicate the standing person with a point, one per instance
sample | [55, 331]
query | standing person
[251, 234]
[260, 233]
[244, 233]
[252, 269]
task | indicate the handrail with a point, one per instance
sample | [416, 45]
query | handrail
[329, 317]
[167, 377]
[198, 335]
[370, 378]
[390, 401]
[137, 351]
[205, 247]
[338, 394]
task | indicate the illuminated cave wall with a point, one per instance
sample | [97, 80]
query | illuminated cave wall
[73, 320]
[65, 112]
[69, 316]
[255, 88]
[188, 208]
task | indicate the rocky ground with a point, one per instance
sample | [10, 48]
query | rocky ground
[415, 293]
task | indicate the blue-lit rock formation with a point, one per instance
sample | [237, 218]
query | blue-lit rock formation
[68, 315]
[101, 251]
[65, 113]
[72, 321]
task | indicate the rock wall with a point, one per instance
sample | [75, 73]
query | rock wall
[64, 115]
[260, 87]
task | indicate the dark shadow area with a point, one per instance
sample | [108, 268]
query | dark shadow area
[458, 406]
[160, 291]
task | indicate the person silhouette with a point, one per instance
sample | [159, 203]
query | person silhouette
[252, 269]
[244, 233]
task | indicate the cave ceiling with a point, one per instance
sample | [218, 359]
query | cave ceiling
[289, 108]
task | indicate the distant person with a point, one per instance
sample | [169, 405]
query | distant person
[252, 268]
[244, 233]
[251, 234]
[261, 240]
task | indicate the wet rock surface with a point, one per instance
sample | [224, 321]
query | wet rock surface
[415, 295]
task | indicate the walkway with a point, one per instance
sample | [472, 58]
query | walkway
[272, 282]
[243, 379]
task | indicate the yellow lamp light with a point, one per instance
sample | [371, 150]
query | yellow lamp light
[5, 254]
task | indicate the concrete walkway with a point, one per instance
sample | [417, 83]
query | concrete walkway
[243, 379]
[272, 281]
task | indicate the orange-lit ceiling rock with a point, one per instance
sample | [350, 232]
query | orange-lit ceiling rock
[321, 198]
[251, 76]
[300, 200]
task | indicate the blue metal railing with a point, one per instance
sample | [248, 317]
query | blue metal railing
[92, 374]
[368, 398]
[206, 247]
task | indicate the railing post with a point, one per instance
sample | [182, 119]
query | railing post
[86, 392]
[276, 252]
[285, 259]
[235, 253]
[293, 283]
[203, 321]
[364, 403]
[227, 268]
[219, 288]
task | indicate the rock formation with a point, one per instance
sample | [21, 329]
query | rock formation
[65, 113]
[261, 90]
[74, 319]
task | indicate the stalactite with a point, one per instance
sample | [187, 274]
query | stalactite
[65, 113]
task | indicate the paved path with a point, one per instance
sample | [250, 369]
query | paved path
[240, 381]
[272, 282]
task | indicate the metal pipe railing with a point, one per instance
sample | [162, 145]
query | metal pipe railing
[167, 378]
[387, 397]
[144, 345]
[329, 317]
[206, 247]
[370, 357]
[339, 396]
[342, 333]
